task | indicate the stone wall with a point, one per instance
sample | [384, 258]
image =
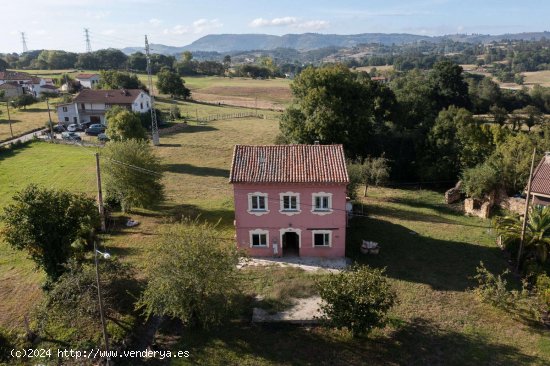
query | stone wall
[454, 194]
[477, 208]
[513, 204]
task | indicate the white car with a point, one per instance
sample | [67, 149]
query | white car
[72, 128]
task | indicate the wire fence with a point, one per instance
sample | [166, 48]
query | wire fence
[223, 116]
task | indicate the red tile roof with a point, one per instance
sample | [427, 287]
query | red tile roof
[85, 76]
[10, 75]
[117, 96]
[289, 164]
[541, 177]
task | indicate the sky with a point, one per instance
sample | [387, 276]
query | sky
[59, 24]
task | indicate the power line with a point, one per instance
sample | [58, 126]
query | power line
[88, 45]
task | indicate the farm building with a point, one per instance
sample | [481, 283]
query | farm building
[88, 80]
[290, 200]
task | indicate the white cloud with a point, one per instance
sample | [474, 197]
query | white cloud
[155, 21]
[197, 27]
[276, 22]
[313, 25]
[292, 22]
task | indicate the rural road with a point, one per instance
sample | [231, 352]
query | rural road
[27, 137]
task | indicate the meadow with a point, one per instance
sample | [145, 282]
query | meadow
[430, 252]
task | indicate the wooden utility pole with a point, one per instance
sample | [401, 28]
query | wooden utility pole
[100, 299]
[50, 117]
[9, 118]
[526, 212]
[99, 193]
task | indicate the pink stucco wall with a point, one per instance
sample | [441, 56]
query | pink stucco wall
[302, 223]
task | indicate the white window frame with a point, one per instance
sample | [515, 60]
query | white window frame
[259, 232]
[324, 232]
[318, 211]
[287, 211]
[258, 212]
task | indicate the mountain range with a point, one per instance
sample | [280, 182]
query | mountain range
[312, 41]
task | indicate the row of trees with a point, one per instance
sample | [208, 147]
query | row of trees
[424, 122]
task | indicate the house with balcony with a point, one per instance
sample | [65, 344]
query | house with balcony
[290, 200]
[90, 106]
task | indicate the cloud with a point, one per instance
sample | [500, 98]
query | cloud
[275, 22]
[313, 25]
[291, 22]
[155, 21]
[197, 27]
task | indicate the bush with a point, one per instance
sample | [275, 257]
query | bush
[480, 180]
[357, 299]
[355, 173]
[492, 288]
[6, 345]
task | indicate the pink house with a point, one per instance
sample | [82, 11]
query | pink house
[290, 200]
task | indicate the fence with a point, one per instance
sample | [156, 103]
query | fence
[218, 117]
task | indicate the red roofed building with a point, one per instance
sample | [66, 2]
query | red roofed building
[540, 185]
[290, 199]
[87, 80]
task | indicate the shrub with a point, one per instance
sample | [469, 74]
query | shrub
[357, 299]
[480, 180]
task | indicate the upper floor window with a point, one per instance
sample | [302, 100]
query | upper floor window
[290, 203]
[257, 203]
[64, 109]
[322, 203]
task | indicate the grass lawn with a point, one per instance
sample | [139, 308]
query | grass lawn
[23, 120]
[430, 252]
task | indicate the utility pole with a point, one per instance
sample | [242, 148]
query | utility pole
[88, 45]
[9, 118]
[99, 193]
[24, 41]
[526, 212]
[50, 117]
[100, 299]
[154, 124]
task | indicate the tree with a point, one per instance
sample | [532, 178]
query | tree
[112, 79]
[226, 63]
[132, 174]
[50, 225]
[23, 101]
[169, 82]
[123, 124]
[481, 180]
[357, 299]
[499, 114]
[537, 231]
[448, 85]
[72, 303]
[192, 275]
[335, 105]
[533, 116]
[137, 62]
[175, 112]
[375, 171]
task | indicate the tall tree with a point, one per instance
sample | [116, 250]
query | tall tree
[448, 85]
[192, 275]
[132, 174]
[123, 124]
[169, 82]
[49, 225]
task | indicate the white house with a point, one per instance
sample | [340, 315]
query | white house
[87, 80]
[90, 105]
[20, 78]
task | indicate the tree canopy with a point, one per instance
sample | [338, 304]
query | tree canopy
[169, 82]
[50, 225]
[123, 124]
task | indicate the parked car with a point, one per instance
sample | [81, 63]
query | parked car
[73, 127]
[103, 137]
[70, 136]
[95, 129]
[59, 128]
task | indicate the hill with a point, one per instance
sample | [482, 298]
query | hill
[312, 41]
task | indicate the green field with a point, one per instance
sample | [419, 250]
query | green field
[429, 249]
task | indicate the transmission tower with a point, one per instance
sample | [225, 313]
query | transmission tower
[88, 45]
[25, 49]
[154, 124]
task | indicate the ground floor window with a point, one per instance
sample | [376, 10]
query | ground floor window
[259, 238]
[322, 238]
